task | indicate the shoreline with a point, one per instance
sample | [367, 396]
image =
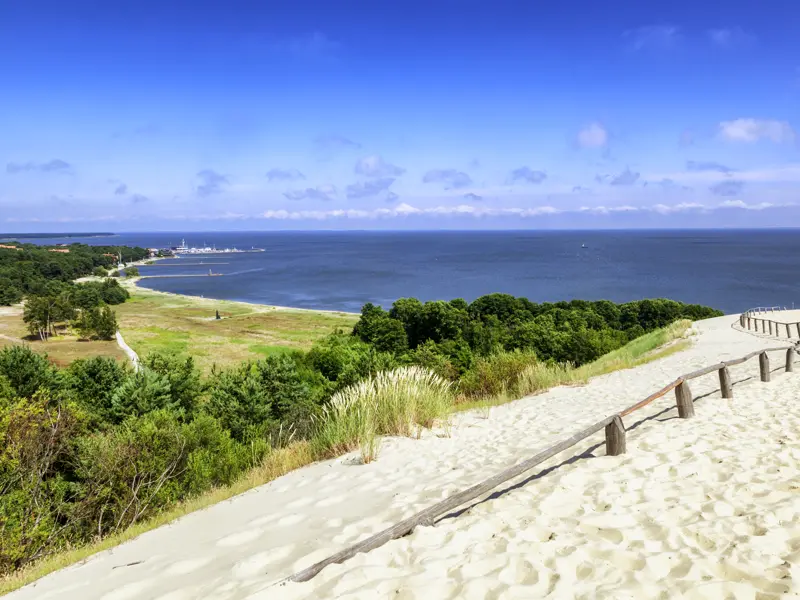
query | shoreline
[133, 285]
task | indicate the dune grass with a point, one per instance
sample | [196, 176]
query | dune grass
[399, 402]
[385, 411]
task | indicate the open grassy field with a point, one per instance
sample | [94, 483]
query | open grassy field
[155, 321]
[61, 350]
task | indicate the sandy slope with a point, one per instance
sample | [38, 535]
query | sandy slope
[700, 502]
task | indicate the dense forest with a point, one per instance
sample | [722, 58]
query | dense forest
[28, 269]
[92, 448]
[44, 276]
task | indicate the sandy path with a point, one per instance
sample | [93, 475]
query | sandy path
[702, 508]
[239, 547]
[130, 352]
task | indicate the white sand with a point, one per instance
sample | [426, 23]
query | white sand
[700, 508]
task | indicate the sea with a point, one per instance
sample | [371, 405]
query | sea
[731, 270]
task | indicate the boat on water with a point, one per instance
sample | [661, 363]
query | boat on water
[584, 246]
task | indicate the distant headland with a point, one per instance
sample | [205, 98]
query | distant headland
[27, 236]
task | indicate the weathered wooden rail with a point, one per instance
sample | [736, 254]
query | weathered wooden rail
[752, 321]
[615, 444]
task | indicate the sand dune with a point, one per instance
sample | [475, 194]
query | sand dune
[701, 508]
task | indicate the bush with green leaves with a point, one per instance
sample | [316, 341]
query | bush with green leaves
[343, 360]
[27, 371]
[35, 495]
[256, 397]
[92, 382]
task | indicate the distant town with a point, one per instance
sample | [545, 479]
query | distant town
[184, 249]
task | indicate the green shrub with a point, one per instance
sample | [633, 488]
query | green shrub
[35, 441]
[26, 371]
[93, 383]
[344, 360]
[141, 393]
[131, 471]
[254, 398]
[185, 385]
[495, 374]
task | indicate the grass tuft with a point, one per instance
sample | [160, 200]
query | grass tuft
[399, 402]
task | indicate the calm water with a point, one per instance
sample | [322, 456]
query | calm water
[730, 270]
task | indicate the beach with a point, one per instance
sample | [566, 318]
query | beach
[698, 508]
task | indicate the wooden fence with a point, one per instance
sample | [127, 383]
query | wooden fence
[753, 321]
[614, 441]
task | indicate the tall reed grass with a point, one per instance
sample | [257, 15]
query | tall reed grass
[399, 402]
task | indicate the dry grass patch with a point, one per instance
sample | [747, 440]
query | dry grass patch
[61, 350]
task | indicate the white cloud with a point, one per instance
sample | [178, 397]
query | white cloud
[593, 136]
[605, 210]
[404, 210]
[752, 130]
[729, 37]
[375, 166]
[321, 192]
[658, 37]
[746, 206]
[664, 209]
[781, 174]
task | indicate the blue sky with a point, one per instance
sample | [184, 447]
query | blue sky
[177, 115]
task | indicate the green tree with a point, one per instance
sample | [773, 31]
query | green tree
[26, 371]
[185, 385]
[10, 293]
[143, 392]
[93, 383]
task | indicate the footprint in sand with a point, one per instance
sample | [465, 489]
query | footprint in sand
[183, 567]
[290, 520]
[330, 501]
[300, 502]
[259, 563]
[237, 539]
[126, 592]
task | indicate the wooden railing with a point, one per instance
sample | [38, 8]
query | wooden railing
[751, 321]
[615, 443]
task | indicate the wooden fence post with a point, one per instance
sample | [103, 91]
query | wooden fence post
[755, 321]
[788, 331]
[683, 395]
[770, 327]
[615, 438]
[725, 383]
[790, 360]
[763, 365]
[798, 329]
[748, 323]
